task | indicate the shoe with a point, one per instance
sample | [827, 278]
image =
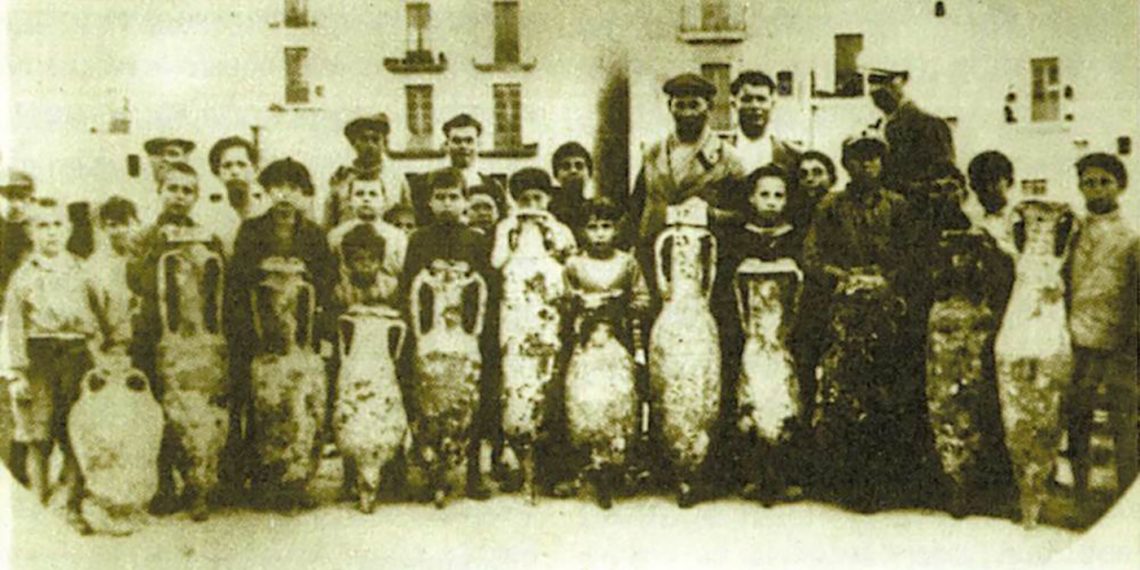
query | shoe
[76, 520]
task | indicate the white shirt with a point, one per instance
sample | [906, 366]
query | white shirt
[754, 153]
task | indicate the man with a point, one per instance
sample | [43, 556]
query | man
[918, 140]
[17, 189]
[163, 151]
[574, 169]
[461, 141]
[754, 98]
[234, 161]
[369, 139]
[690, 164]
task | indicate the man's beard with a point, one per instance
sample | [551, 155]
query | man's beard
[884, 101]
[689, 129]
[461, 160]
[1101, 205]
[753, 124]
[992, 203]
[237, 192]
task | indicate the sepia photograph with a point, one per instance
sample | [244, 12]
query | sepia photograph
[569, 284]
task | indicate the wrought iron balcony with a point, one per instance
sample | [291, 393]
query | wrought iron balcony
[417, 61]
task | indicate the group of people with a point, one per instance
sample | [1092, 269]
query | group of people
[872, 439]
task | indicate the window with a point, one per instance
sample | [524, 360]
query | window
[508, 115]
[419, 16]
[1046, 89]
[713, 20]
[296, 81]
[720, 75]
[506, 31]
[419, 116]
[848, 80]
[785, 83]
[296, 13]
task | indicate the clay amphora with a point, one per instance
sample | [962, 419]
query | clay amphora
[447, 366]
[369, 418]
[1033, 351]
[192, 363]
[529, 336]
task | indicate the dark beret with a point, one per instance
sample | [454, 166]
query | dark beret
[463, 120]
[154, 146]
[689, 84]
[880, 76]
[863, 144]
[379, 121]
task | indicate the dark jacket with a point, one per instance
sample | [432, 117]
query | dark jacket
[918, 141]
[257, 241]
[14, 243]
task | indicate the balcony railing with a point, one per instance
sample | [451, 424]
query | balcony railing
[714, 21]
[417, 61]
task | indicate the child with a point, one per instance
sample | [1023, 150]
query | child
[1103, 320]
[531, 190]
[812, 180]
[447, 238]
[601, 271]
[53, 328]
[403, 217]
[485, 210]
[766, 235]
[364, 280]
[365, 200]
[282, 231]
[991, 179]
[117, 221]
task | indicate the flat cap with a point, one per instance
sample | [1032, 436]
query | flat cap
[864, 143]
[15, 182]
[154, 146]
[689, 84]
[880, 75]
[463, 120]
[379, 122]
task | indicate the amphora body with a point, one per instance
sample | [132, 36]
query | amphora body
[684, 352]
[288, 383]
[1033, 351]
[601, 399]
[369, 417]
[767, 391]
[452, 299]
[192, 362]
[529, 336]
[116, 430]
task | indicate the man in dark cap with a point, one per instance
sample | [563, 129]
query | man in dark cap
[918, 140]
[369, 139]
[690, 164]
[162, 151]
[461, 135]
[17, 189]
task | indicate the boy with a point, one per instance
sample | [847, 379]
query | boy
[531, 190]
[117, 221]
[447, 238]
[767, 235]
[484, 211]
[1102, 274]
[403, 217]
[53, 328]
[284, 230]
[991, 179]
[365, 199]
